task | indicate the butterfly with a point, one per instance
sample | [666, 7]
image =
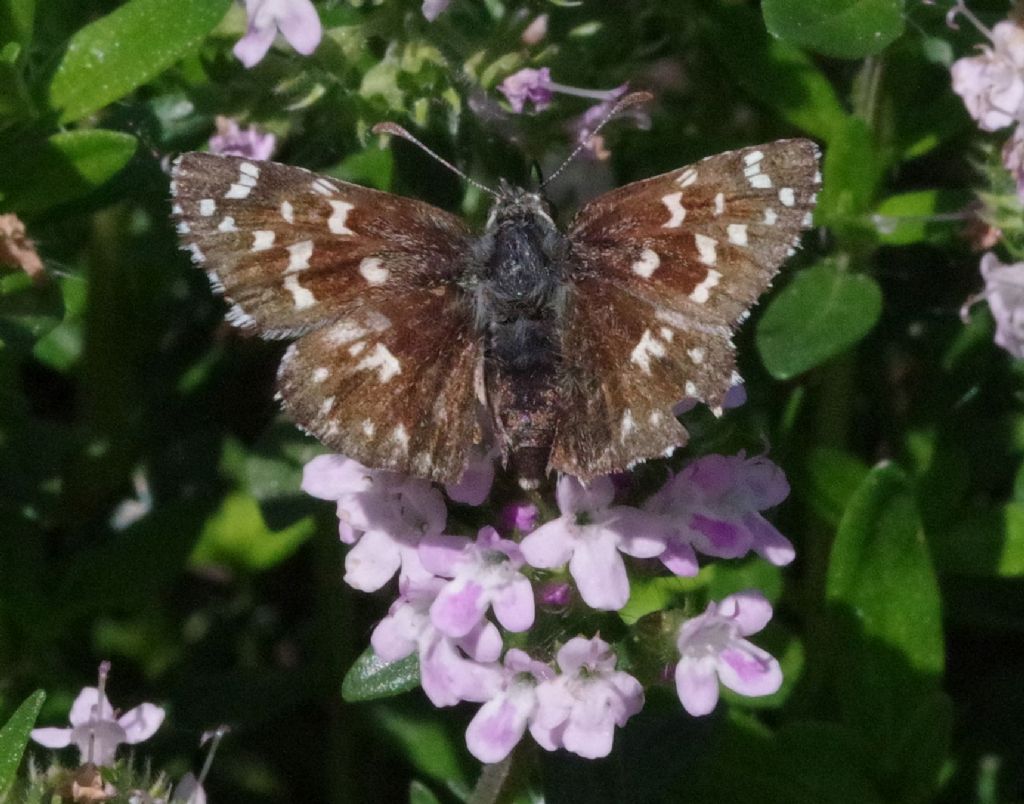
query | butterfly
[418, 339]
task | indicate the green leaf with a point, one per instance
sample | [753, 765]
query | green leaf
[66, 166]
[133, 44]
[820, 314]
[28, 310]
[432, 747]
[850, 175]
[17, 18]
[775, 73]
[911, 217]
[14, 737]
[988, 542]
[238, 535]
[848, 29]
[419, 793]
[370, 677]
[885, 613]
[831, 476]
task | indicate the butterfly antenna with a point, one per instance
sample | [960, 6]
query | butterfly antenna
[628, 102]
[396, 130]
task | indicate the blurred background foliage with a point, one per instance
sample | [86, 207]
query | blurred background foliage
[150, 511]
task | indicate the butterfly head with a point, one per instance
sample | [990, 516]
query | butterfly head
[516, 204]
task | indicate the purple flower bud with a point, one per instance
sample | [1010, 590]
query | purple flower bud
[556, 595]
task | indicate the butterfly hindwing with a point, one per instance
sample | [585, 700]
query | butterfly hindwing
[289, 248]
[391, 384]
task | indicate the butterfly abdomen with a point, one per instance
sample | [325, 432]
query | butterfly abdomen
[519, 306]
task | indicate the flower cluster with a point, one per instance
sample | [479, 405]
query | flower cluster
[97, 730]
[992, 87]
[462, 600]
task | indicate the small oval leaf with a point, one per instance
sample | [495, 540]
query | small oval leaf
[14, 737]
[109, 58]
[848, 29]
[66, 166]
[820, 314]
[371, 677]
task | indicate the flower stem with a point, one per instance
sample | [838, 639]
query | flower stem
[491, 783]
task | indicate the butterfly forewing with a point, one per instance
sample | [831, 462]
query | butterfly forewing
[664, 269]
[290, 249]
[385, 368]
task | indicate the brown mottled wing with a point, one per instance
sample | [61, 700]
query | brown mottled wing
[664, 270]
[289, 248]
[385, 366]
[390, 384]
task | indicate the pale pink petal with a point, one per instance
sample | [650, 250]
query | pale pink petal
[680, 558]
[697, 685]
[483, 643]
[599, 572]
[496, 729]
[748, 670]
[749, 609]
[373, 562]
[514, 605]
[639, 533]
[52, 738]
[328, 477]
[101, 738]
[87, 707]
[573, 496]
[390, 642]
[718, 537]
[554, 703]
[439, 554]
[579, 652]
[188, 791]
[768, 542]
[476, 481]
[458, 608]
[550, 545]
[590, 740]
[252, 47]
[300, 26]
[141, 722]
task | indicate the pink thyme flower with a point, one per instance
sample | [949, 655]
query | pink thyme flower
[579, 709]
[384, 514]
[95, 728]
[535, 86]
[451, 670]
[432, 9]
[715, 504]
[589, 535]
[535, 31]
[712, 649]
[475, 483]
[583, 127]
[484, 573]
[1004, 292]
[500, 723]
[992, 84]
[519, 516]
[231, 140]
[297, 21]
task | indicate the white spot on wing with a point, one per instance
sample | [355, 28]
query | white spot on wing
[368, 428]
[303, 296]
[676, 210]
[322, 186]
[262, 239]
[227, 225]
[737, 233]
[320, 374]
[762, 181]
[326, 406]
[183, 227]
[628, 425]
[648, 347]
[687, 177]
[249, 169]
[786, 196]
[288, 211]
[690, 388]
[401, 437]
[345, 332]
[702, 292]
[753, 157]
[207, 207]
[298, 256]
[719, 203]
[770, 216]
[706, 249]
[696, 354]
[373, 272]
[238, 191]
[336, 223]
[382, 359]
[645, 266]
